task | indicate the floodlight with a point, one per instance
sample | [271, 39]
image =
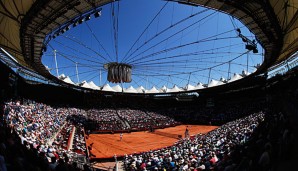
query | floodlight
[81, 20]
[88, 17]
[97, 14]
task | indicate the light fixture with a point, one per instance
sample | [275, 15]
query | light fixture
[63, 30]
[118, 72]
[97, 14]
[67, 27]
[81, 20]
[255, 50]
[88, 17]
[249, 47]
[75, 23]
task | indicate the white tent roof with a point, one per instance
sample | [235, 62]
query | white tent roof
[68, 80]
[140, 89]
[85, 85]
[199, 86]
[163, 89]
[130, 89]
[107, 87]
[189, 87]
[93, 86]
[213, 83]
[175, 89]
[254, 70]
[222, 79]
[235, 77]
[117, 88]
[220, 83]
[61, 77]
[245, 73]
[152, 90]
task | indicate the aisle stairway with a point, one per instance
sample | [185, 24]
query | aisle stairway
[124, 122]
[51, 140]
[70, 144]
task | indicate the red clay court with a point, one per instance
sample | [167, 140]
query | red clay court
[107, 145]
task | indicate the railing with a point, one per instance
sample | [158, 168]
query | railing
[284, 67]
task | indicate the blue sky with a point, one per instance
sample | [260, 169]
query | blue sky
[207, 41]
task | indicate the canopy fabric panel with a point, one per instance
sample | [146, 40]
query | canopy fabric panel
[117, 88]
[175, 89]
[11, 14]
[85, 85]
[190, 87]
[68, 80]
[141, 89]
[152, 90]
[287, 14]
[213, 83]
[93, 85]
[130, 89]
[107, 87]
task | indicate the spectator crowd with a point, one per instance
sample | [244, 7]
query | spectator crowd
[42, 137]
[203, 152]
[255, 142]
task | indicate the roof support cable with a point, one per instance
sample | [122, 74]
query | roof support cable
[130, 57]
[180, 46]
[98, 41]
[169, 37]
[146, 28]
